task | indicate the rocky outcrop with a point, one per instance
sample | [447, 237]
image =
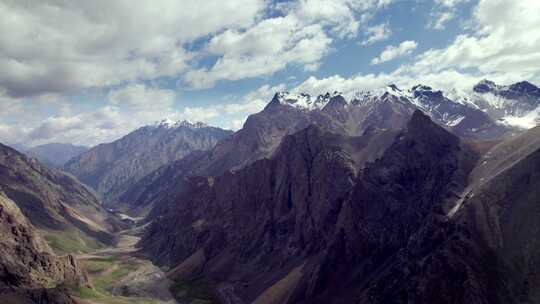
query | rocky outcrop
[29, 271]
[262, 134]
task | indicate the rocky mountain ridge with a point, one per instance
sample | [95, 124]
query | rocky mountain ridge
[286, 113]
[488, 111]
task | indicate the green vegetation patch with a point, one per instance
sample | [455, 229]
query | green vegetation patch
[87, 293]
[97, 297]
[105, 272]
[97, 265]
[71, 241]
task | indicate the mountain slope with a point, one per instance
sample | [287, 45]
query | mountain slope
[111, 168]
[505, 213]
[53, 201]
[484, 253]
[55, 155]
[29, 271]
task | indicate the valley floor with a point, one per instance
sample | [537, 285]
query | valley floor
[119, 276]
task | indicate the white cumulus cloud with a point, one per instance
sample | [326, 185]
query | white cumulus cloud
[377, 33]
[58, 46]
[301, 35]
[392, 52]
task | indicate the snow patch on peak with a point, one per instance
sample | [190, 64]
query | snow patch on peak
[171, 124]
[462, 97]
[527, 121]
[165, 123]
[301, 100]
[322, 100]
[395, 91]
[304, 100]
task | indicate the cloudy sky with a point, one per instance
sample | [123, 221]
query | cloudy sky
[86, 72]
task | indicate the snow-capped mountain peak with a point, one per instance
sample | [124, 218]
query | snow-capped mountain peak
[514, 106]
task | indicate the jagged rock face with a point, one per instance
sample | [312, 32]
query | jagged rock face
[396, 212]
[502, 211]
[287, 205]
[395, 218]
[486, 252]
[55, 155]
[51, 199]
[312, 217]
[423, 167]
[111, 168]
[27, 265]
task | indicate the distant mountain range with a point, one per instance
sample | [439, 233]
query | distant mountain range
[110, 168]
[55, 155]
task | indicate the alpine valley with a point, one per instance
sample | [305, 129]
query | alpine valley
[396, 195]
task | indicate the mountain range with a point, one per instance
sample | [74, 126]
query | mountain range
[391, 194]
[110, 168]
[410, 225]
[386, 196]
[387, 109]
